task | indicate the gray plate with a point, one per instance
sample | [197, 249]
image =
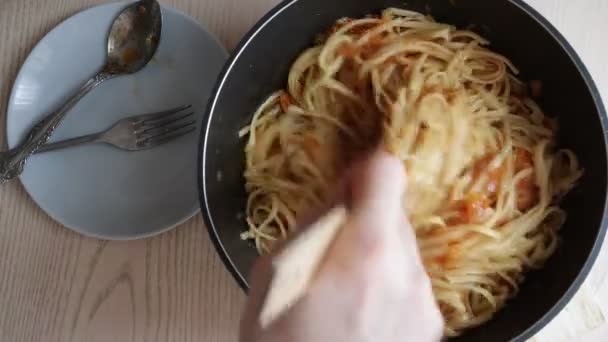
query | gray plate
[98, 190]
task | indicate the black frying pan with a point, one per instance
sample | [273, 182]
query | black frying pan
[260, 65]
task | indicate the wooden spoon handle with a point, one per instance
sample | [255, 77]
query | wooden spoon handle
[295, 266]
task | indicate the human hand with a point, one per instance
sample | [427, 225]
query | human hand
[371, 286]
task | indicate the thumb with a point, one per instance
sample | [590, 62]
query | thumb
[377, 186]
[377, 235]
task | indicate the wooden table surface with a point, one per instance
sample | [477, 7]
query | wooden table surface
[56, 285]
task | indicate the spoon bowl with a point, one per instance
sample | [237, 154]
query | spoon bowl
[134, 37]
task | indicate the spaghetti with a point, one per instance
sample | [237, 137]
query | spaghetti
[483, 171]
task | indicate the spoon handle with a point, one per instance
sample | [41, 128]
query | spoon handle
[59, 145]
[13, 161]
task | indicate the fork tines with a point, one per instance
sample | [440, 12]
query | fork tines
[161, 127]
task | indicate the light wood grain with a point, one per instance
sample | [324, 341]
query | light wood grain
[56, 285]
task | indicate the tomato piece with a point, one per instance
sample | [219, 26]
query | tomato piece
[453, 252]
[347, 50]
[494, 175]
[366, 50]
[523, 159]
[285, 101]
[442, 259]
[313, 148]
[373, 44]
[472, 209]
[527, 190]
[476, 206]
[527, 193]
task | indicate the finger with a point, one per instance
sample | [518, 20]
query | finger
[377, 187]
[378, 235]
[378, 184]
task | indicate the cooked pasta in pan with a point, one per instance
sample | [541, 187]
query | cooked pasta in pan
[484, 172]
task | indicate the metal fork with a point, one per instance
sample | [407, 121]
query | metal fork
[137, 132]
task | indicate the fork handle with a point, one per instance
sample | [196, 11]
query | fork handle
[85, 139]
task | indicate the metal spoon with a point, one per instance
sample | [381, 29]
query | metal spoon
[132, 41]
